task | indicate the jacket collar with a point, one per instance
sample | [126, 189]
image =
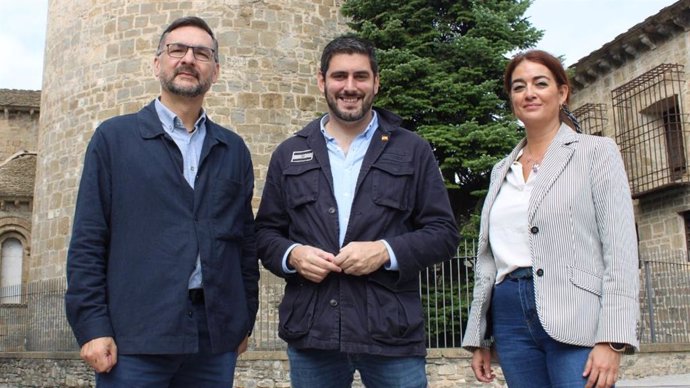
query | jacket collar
[150, 126]
[565, 138]
[388, 124]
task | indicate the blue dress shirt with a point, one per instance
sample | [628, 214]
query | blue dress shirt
[190, 144]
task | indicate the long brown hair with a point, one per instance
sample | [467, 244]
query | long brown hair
[550, 62]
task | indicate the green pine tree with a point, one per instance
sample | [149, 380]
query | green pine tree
[442, 65]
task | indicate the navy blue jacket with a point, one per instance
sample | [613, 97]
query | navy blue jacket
[138, 226]
[400, 197]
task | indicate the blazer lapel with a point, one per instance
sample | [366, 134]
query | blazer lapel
[556, 158]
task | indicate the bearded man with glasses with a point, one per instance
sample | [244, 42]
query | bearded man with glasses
[162, 270]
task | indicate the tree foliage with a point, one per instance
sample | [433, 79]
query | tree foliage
[442, 65]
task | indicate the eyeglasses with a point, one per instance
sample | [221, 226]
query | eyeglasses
[179, 50]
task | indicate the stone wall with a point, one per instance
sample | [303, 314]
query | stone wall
[660, 225]
[18, 131]
[447, 368]
[13, 318]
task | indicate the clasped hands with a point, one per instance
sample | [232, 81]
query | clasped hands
[356, 258]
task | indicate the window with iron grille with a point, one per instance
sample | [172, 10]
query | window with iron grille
[651, 129]
[592, 118]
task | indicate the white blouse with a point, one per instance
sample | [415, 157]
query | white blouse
[508, 226]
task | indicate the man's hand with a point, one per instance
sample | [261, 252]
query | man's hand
[602, 367]
[362, 257]
[100, 354]
[481, 365]
[312, 263]
[243, 346]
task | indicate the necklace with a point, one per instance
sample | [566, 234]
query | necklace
[531, 160]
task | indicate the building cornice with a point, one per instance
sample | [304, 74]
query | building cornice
[15, 100]
[628, 46]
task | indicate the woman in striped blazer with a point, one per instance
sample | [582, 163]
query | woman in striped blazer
[556, 279]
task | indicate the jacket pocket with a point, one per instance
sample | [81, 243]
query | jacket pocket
[227, 209]
[585, 280]
[296, 310]
[395, 317]
[301, 183]
[391, 176]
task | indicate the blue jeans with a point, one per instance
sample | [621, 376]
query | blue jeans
[203, 369]
[528, 356]
[334, 369]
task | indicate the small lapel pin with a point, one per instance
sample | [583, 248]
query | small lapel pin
[384, 137]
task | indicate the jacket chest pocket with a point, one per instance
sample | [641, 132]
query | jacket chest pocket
[301, 184]
[227, 208]
[391, 181]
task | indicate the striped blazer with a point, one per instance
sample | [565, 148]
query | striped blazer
[582, 242]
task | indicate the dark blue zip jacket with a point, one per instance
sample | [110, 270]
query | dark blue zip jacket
[138, 226]
[400, 197]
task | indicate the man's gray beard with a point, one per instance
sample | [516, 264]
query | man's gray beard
[195, 91]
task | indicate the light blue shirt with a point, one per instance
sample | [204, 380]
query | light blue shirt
[345, 170]
[189, 145]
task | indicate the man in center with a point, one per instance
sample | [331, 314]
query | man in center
[353, 208]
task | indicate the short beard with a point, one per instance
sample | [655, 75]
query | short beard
[349, 117]
[193, 91]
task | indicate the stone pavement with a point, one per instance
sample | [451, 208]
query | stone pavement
[674, 381]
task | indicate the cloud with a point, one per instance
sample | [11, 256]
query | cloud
[22, 41]
[575, 28]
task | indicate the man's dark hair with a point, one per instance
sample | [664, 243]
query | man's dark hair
[193, 21]
[348, 44]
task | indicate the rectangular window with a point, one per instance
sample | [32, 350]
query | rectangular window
[675, 144]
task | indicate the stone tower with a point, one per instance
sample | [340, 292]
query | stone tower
[98, 64]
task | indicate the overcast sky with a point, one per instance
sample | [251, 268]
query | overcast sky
[573, 29]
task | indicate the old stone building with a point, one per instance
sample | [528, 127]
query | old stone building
[635, 90]
[18, 133]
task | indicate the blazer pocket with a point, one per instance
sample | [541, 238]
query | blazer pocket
[585, 280]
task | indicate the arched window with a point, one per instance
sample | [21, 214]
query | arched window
[11, 271]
